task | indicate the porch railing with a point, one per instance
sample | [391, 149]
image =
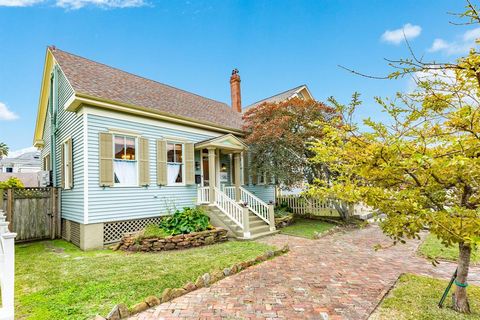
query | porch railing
[230, 191]
[256, 205]
[203, 195]
[231, 208]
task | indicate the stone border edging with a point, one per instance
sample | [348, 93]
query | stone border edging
[121, 311]
[135, 242]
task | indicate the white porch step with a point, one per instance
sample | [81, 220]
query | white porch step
[258, 227]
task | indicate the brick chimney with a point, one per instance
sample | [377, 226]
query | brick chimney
[235, 91]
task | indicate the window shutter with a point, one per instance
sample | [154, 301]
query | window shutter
[70, 163]
[62, 165]
[246, 177]
[162, 162]
[189, 164]
[106, 159]
[143, 162]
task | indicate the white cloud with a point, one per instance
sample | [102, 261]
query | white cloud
[408, 31]
[5, 113]
[78, 4]
[461, 46]
[18, 3]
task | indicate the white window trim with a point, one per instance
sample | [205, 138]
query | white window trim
[182, 143]
[121, 185]
[66, 176]
[43, 162]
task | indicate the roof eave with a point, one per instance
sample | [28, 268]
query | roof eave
[79, 99]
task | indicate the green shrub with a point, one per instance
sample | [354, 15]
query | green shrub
[186, 221]
[12, 182]
[282, 210]
[154, 231]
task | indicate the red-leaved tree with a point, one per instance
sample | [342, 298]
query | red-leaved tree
[279, 136]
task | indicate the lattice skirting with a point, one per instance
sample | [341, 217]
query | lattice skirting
[114, 231]
[75, 233]
[71, 231]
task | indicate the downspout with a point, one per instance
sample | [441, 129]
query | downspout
[53, 126]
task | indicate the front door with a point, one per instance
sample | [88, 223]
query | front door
[205, 170]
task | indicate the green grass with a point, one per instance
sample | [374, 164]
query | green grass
[56, 280]
[433, 248]
[306, 228]
[416, 298]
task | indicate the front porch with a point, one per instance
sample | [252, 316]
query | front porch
[222, 174]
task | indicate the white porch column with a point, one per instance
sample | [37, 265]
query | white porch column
[236, 162]
[7, 266]
[212, 173]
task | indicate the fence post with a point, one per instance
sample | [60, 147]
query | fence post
[10, 208]
[271, 217]
[7, 268]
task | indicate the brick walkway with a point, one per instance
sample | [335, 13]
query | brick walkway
[340, 275]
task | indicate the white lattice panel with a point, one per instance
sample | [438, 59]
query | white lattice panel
[113, 231]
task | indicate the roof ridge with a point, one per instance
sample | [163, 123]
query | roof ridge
[280, 93]
[53, 49]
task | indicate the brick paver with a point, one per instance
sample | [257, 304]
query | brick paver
[340, 275]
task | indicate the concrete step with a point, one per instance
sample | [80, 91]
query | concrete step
[259, 229]
[260, 235]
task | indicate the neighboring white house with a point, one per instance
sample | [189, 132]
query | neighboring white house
[24, 163]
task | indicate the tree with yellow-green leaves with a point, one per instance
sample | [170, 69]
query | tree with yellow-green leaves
[422, 167]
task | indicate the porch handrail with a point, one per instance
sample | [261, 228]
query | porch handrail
[229, 207]
[256, 205]
[203, 195]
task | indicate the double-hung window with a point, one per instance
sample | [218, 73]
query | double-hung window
[125, 166]
[175, 164]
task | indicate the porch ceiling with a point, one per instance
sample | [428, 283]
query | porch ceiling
[227, 142]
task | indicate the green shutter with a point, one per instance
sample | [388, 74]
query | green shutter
[162, 162]
[143, 163]
[106, 159]
[189, 163]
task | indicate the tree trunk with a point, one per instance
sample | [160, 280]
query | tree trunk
[460, 298]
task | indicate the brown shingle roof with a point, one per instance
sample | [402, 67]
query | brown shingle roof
[101, 81]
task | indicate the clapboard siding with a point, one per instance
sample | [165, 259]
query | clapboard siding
[264, 192]
[125, 203]
[46, 138]
[69, 125]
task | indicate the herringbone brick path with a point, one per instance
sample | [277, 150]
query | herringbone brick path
[340, 275]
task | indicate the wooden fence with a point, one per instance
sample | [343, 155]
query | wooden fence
[33, 213]
[305, 206]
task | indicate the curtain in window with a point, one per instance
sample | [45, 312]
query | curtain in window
[174, 173]
[125, 172]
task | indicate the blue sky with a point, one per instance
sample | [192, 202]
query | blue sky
[194, 45]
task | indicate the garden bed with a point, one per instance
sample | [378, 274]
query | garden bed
[140, 242]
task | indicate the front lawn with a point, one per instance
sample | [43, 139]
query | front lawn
[56, 280]
[416, 298]
[307, 228]
[433, 248]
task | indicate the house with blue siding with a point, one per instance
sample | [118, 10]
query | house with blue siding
[126, 150]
